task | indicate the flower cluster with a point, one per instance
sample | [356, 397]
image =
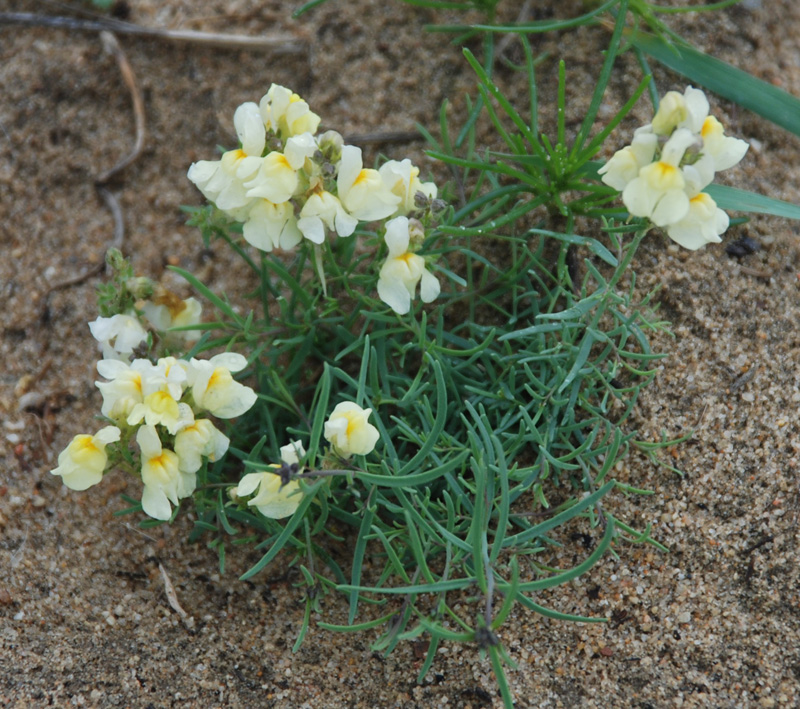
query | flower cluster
[120, 334]
[286, 184]
[164, 407]
[275, 493]
[664, 170]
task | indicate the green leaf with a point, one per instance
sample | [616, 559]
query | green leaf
[744, 201]
[762, 98]
[368, 625]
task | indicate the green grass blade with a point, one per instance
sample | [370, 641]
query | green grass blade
[602, 81]
[738, 86]
[280, 542]
[358, 556]
[743, 201]
[221, 305]
[533, 27]
[368, 625]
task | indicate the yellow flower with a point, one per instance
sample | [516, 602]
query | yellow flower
[403, 180]
[215, 390]
[703, 224]
[363, 192]
[625, 164]
[274, 500]
[199, 439]
[658, 192]
[286, 114]
[348, 430]
[82, 463]
[403, 270]
[164, 481]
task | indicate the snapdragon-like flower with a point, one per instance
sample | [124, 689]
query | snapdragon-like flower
[198, 440]
[162, 388]
[703, 224]
[273, 499]
[349, 431]
[118, 335]
[658, 191]
[323, 210]
[276, 179]
[687, 110]
[285, 184]
[286, 114]
[215, 390]
[163, 479]
[82, 463]
[624, 165]
[403, 270]
[363, 191]
[168, 312]
[272, 226]
[402, 178]
[125, 389]
[725, 151]
[222, 181]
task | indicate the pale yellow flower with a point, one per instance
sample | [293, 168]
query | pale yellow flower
[404, 270]
[215, 390]
[703, 224]
[272, 226]
[273, 499]
[658, 192]
[402, 178]
[725, 151]
[362, 191]
[276, 179]
[624, 165]
[198, 440]
[348, 430]
[82, 463]
[164, 481]
[285, 113]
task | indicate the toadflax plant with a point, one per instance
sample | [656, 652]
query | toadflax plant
[451, 410]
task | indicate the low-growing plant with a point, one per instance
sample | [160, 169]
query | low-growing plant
[442, 378]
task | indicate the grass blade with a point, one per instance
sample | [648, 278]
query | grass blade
[738, 86]
[743, 201]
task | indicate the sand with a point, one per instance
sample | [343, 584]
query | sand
[86, 620]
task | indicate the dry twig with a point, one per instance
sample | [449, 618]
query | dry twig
[111, 45]
[276, 45]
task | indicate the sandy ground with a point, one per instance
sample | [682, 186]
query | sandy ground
[85, 617]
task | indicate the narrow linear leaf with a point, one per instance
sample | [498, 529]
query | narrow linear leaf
[738, 86]
[744, 201]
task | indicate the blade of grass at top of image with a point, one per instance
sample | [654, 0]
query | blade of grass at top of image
[533, 27]
[736, 85]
